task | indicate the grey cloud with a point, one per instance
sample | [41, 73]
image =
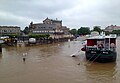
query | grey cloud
[35, 8]
[73, 13]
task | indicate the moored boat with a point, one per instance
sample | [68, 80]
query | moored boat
[101, 48]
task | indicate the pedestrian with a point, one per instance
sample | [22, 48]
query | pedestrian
[24, 56]
[24, 59]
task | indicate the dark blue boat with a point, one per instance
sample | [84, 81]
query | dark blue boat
[101, 48]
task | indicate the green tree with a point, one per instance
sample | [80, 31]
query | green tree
[97, 28]
[116, 32]
[26, 30]
[39, 36]
[84, 31]
[73, 31]
[107, 32]
[14, 35]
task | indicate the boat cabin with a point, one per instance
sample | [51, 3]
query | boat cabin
[101, 43]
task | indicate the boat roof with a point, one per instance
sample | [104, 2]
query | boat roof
[103, 36]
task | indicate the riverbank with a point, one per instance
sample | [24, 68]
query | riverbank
[26, 42]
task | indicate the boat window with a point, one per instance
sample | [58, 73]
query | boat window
[100, 43]
[91, 42]
[112, 45]
[112, 40]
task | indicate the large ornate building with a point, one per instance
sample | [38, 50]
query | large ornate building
[7, 30]
[49, 26]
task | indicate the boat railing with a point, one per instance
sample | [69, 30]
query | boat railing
[94, 48]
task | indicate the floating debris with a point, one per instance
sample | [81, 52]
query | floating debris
[75, 54]
[78, 64]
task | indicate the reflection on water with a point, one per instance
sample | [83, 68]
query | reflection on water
[0, 56]
[102, 73]
[52, 63]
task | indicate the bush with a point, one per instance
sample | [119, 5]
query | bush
[39, 35]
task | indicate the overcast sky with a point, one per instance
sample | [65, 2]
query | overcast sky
[73, 13]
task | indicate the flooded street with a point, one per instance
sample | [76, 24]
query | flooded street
[52, 63]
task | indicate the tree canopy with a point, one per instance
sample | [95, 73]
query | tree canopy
[84, 31]
[97, 28]
[26, 30]
[116, 32]
[73, 31]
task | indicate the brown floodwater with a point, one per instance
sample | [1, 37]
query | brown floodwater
[52, 63]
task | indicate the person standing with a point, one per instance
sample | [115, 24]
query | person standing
[24, 57]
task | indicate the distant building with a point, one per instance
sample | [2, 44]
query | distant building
[66, 31]
[57, 23]
[112, 27]
[49, 26]
[7, 30]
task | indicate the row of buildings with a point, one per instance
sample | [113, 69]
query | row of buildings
[6, 30]
[49, 26]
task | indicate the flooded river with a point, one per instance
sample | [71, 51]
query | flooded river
[53, 64]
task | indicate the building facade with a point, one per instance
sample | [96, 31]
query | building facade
[57, 23]
[66, 31]
[111, 28]
[49, 26]
[7, 30]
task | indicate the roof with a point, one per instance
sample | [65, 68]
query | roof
[56, 20]
[9, 27]
[96, 37]
[111, 36]
[103, 36]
